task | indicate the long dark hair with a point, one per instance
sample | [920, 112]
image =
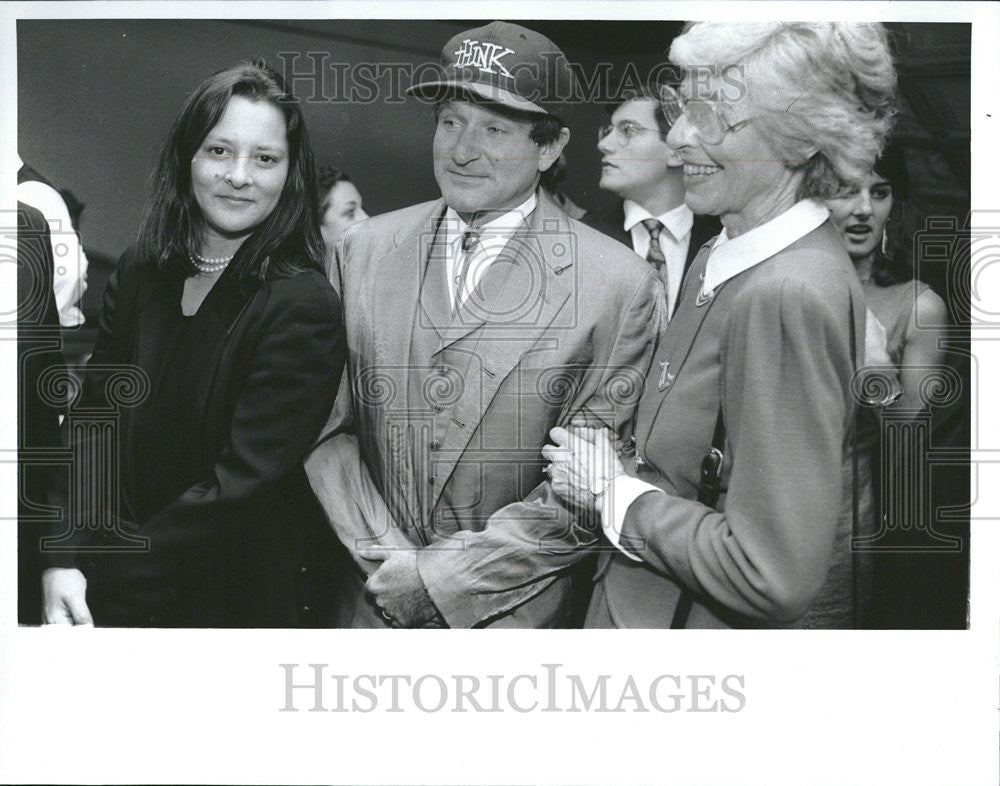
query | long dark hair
[288, 240]
[894, 265]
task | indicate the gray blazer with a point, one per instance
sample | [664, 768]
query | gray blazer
[563, 323]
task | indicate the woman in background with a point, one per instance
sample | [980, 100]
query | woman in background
[340, 206]
[223, 314]
[905, 321]
[876, 222]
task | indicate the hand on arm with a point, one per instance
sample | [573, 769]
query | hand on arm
[583, 463]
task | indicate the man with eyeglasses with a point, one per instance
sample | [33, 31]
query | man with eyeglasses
[476, 324]
[651, 218]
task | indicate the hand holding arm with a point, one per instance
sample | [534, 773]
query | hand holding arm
[583, 462]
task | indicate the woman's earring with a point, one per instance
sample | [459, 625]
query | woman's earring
[885, 233]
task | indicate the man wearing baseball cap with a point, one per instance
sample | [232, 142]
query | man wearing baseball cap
[476, 323]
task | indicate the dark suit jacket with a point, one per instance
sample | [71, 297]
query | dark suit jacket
[611, 221]
[563, 323]
[40, 365]
[245, 545]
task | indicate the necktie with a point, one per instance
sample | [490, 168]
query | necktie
[655, 254]
[469, 240]
[655, 257]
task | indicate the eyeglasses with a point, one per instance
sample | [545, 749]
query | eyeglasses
[624, 130]
[711, 121]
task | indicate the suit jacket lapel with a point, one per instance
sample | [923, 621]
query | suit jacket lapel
[674, 347]
[434, 299]
[215, 319]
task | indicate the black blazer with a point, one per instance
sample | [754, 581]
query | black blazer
[247, 546]
[611, 221]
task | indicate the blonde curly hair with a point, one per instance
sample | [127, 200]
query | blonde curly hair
[823, 93]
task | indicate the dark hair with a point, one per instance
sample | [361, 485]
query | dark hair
[555, 174]
[74, 206]
[645, 93]
[326, 178]
[288, 240]
[545, 129]
[895, 264]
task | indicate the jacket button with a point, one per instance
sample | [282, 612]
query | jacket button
[435, 444]
[438, 408]
[302, 569]
[307, 608]
[443, 370]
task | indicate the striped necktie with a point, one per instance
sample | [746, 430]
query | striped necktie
[655, 254]
[655, 258]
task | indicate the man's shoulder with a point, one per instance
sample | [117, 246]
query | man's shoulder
[384, 229]
[609, 221]
[396, 221]
[600, 254]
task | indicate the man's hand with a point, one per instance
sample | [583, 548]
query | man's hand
[64, 593]
[398, 590]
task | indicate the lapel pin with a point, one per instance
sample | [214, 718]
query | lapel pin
[665, 377]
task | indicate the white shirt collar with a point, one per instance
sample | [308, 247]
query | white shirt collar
[677, 221]
[730, 257]
[504, 224]
[490, 244]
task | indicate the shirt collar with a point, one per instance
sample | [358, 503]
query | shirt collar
[730, 257]
[678, 220]
[504, 224]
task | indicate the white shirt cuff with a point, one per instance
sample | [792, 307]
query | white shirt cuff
[621, 492]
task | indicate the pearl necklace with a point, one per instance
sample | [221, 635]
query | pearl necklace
[209, 264]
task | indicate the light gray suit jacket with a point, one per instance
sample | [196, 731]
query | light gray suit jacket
[564, 322]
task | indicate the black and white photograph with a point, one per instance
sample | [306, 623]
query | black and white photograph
[653, 338]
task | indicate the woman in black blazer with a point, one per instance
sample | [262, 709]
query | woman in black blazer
[219, 351]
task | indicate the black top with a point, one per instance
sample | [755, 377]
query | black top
[169, 452]
[210, 441]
